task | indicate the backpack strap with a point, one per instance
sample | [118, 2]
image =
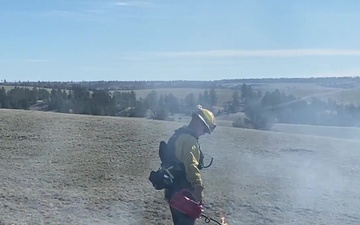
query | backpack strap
[168, 154]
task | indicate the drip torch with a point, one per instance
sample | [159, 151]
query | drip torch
[189, 207]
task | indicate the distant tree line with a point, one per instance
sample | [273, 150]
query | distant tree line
[261, 109]
[80, 100]
[224, 83]
[291, 80]
[116, 85]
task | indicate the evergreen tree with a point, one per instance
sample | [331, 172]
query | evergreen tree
[161, 103]
[200, 99]
[132, 99]
[139, 109]
[235, 103]
[213, 97]
[102, 104]
[4, 101]
[172, 103]
[152, 101]
[190, 101]
[81, 100]
[206, 99]
[56, 101]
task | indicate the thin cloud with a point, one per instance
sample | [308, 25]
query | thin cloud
[263, 53]
[95, 68]
[99, 11]
[134, 4]
[35, 60]
[64, 13]
[95, 11]
[88, 15]
[52, 13]
[139, 57]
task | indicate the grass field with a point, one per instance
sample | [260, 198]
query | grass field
[352, 133]
[344, 96]
[296, 89]
[77, 169]
[7, 87]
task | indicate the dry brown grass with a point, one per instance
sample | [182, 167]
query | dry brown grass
[352, 133]
[75, 169]
[343, 96]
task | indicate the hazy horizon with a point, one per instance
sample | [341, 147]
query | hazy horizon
[249, 78]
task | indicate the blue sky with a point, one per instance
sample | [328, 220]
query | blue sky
[62, 40]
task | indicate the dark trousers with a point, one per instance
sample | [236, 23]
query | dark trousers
[181, 219]
[178, 217]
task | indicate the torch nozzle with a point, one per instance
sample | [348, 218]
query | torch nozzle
[208, 219]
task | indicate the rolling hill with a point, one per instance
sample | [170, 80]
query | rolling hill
[77, 169]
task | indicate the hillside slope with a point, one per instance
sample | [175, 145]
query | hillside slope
[352, 133]
[75, 169]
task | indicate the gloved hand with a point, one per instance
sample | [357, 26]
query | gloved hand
[198, 193]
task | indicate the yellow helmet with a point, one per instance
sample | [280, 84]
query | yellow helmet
[206, 116]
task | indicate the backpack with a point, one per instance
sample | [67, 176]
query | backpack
[170, 168]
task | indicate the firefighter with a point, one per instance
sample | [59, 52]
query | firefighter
[187, 153]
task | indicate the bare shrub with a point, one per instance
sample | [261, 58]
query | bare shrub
[242, 121]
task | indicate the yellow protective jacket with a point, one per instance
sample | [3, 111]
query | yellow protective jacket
[187, 152]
